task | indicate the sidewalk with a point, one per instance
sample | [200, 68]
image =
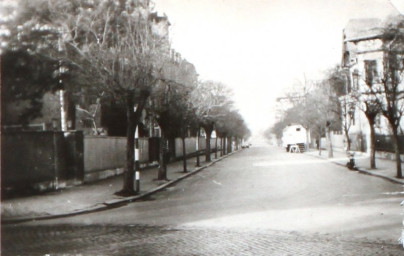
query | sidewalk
[385, 168]
[95, 196]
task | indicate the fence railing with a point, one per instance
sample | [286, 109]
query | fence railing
[386, 143]
[50, 159]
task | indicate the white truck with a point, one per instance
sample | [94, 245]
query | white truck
[294, 138]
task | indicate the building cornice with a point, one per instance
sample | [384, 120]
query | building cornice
[369, 51]
[363, 38]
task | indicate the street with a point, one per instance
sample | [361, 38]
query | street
[260, 201]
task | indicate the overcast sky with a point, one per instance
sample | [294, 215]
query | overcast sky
[261, 47]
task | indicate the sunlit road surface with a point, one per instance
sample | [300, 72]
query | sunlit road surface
[260, 201]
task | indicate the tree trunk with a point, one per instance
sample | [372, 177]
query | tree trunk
[208, 127]
[229, 144]
[319, 145]
[397, 152]
[162, 172]
[307, 144]
[224, 145]
[184, 154]
[221, 146]
[207, 150]
[171, 149]
[216, 147]
[128, 177]
[198, 163]
[348, 141]
[224, 148]
[372, 146]
[132, 119]
[328, 134]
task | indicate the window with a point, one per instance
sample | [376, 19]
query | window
[370, 71]
[355, 80]
[351, 114]
[378, 121]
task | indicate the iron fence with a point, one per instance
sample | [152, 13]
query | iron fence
[386, 143]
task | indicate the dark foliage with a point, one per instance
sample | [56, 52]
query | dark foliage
[25, 79]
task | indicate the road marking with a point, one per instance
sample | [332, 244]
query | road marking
[218, 183]
[272, 163]
[299, 162]
[393, 193]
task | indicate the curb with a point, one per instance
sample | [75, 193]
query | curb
[114, 203]
[394, 180]
[366, 172]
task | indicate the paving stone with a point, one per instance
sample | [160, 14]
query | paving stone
[158, 240]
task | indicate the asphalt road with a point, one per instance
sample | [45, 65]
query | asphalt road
[260, 201]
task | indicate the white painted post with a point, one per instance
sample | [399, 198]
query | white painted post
[137, 158]
[62, 110]
[197, 150]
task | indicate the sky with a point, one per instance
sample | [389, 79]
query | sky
[261, 48]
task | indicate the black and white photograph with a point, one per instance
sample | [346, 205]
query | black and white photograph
[202, 127]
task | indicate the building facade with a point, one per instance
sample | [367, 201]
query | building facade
[363, 57]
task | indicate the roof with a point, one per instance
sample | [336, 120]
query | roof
[360, 29]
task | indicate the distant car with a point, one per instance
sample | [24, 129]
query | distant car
[245, 145]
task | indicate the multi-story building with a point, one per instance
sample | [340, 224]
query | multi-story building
[363, 54]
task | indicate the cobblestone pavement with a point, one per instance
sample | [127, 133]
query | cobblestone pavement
[164, 240]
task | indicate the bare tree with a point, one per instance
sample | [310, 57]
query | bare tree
[390, 92]
[368, 103]
[171, 106]
[321, 111]
[347, 117]
[210, 98]
[115, 46]
[170, 110]
[317, 114]
[232, 128]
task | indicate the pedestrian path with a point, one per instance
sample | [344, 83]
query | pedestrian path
[385, 168]
[95, 196]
